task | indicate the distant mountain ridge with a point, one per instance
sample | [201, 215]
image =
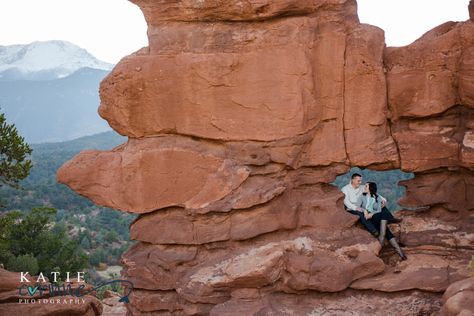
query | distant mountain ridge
[41, 187]
[100, 141]
[50, 90]
[54, 110]
[45, 60]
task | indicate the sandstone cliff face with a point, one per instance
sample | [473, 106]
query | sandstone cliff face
[240, 114]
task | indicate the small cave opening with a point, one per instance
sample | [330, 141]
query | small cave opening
[362, 189]
[387, 183]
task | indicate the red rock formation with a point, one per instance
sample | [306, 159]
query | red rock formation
[240, 114]
[112, 306]
[459, 298]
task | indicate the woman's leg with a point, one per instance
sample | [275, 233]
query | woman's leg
[386, 214]
[380, 221]
[395, 245]
[383, 231]
[375, 220]
[389, 216]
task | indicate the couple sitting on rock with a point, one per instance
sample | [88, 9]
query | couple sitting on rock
[369, 206]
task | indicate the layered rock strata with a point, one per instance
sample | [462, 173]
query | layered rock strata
[240, 115]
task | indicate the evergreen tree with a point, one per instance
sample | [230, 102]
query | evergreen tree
[33, 234]
[85, 242]
[25, 263]
[13, 153]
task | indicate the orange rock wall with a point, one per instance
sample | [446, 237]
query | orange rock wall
[240, 114]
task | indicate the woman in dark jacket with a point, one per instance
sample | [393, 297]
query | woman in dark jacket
[371, 203]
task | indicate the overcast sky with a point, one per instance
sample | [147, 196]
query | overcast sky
[111, 29]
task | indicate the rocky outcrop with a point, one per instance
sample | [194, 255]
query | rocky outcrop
[112, 305]
[459, 298]
[347, 302]
[239, 116]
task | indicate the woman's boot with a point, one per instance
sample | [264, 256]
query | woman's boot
[383, 230]
[395, 245]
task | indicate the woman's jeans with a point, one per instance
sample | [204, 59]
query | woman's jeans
[367, 224]
[373, 224]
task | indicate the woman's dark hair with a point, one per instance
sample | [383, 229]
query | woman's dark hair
[373, 190]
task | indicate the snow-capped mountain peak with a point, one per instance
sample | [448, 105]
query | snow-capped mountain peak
[45, 60]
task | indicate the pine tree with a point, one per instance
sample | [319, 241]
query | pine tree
[14, 165]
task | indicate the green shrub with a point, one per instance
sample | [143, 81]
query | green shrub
[25, 263]
[34, 234]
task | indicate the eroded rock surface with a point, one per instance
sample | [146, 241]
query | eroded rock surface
[240, 115]
[459, 298]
